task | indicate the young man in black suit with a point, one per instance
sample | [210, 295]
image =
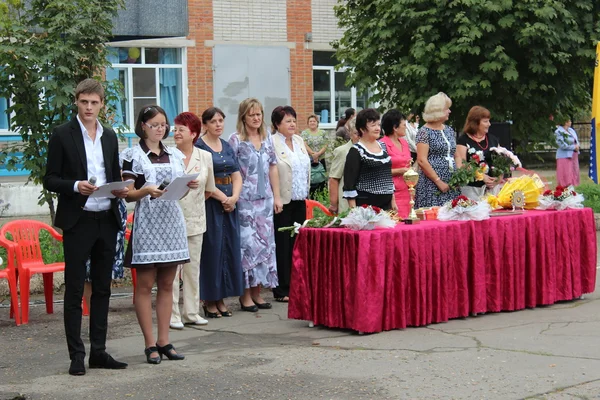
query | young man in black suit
[83, 155]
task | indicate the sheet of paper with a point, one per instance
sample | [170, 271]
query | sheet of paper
[105, 190]
[178, 188]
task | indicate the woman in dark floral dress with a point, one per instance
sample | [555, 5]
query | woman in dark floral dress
[436, 144]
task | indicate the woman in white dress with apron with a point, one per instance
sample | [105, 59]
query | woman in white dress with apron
[158, 242]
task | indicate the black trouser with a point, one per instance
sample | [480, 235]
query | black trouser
[93, 236]
[383, 201]
[295, 211]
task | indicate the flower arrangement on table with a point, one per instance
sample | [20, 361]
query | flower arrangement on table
[464, 209]
[358, 218]
[561, 198]
[529, 187]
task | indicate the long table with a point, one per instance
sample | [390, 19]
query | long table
[414, 275]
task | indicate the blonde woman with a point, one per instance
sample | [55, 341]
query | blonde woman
[259, 199]
[186, 132]
[436, 145]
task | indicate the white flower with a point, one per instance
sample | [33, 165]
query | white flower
[471, 150]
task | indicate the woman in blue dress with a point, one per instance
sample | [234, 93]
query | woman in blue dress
[221, 264]
[436, 144]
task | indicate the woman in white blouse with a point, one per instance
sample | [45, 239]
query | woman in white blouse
[293, 165]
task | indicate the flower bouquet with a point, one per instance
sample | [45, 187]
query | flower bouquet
[560, 198]
[367, 218]
[359, 218]
[504, 162]
[464, 209]
[530, 186]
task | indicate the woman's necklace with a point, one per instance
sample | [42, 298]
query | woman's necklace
[487, 143]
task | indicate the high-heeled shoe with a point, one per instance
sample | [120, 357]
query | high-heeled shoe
[169, 351]
[209, 314]
[252, 308]
[225, 313]
[152, 360]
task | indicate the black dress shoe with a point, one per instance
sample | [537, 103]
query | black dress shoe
[252, 308]
[263, 306]
[152, 360]
[209, 314]
[77, 367]
[105, 360]
[169, 351]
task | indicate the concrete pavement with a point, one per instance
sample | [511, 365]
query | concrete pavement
[544, 353]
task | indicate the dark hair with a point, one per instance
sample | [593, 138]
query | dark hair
[191, 121]
[365, 116]
[390, 121]
[146, 114]
[279, 114]
[89, 86]
[476, 114]
[347, 115]
[209, 113]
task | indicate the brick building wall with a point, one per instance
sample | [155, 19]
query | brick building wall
[246, 20]
[199, 63]
[324, 22]
[301, 85]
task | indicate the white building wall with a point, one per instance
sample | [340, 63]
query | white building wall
[246, 20]
[324, 22]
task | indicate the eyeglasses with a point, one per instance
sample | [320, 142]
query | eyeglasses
[158, 127]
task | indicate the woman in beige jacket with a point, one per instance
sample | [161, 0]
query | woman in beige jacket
[197, 161]
[293, 165]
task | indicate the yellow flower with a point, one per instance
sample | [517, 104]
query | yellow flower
[478, 175]
[492, 201]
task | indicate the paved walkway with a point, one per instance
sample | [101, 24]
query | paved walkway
[544, 353]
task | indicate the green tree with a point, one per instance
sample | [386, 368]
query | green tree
[46, 48]
[524, 60]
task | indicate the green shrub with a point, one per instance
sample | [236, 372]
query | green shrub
[591, 194]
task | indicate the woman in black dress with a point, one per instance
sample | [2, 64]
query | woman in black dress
[368, 168]
[476, 140]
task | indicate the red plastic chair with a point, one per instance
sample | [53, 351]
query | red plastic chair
[26, 248]
[311, 205]
[127, 236]
[10, 273]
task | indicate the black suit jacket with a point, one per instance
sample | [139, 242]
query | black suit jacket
[67, 163]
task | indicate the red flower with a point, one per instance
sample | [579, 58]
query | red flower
[560, 188]
[365, 206]
[475, 157]
[376, 209]
[548, 192]
[454, 202]
[462, 197]
[573, 193]
[558, 193]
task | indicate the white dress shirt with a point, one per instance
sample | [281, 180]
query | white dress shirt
[95, 166]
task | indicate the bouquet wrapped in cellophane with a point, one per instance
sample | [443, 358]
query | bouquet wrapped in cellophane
[531, 187]
[464, 209]
[561, 198]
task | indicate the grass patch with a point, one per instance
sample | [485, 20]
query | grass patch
[591, 194]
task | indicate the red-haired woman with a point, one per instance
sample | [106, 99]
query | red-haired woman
[476, 142]
[197, 161]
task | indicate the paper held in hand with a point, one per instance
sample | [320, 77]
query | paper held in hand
[105, 190]
[178, 188]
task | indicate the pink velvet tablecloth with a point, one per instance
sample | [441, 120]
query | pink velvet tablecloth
[414, 275]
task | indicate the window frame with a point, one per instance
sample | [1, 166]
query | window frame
[129, 98]
[353, 98]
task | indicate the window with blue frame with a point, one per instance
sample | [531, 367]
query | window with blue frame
[148, 76]
[4, 117]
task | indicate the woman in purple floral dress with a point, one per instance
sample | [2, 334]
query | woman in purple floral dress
[258, 199]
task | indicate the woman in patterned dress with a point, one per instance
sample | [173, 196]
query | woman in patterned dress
[315, 140]
[258, 199]
[368, 168]
[436, 144]
[158, 242]
[221, 265]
